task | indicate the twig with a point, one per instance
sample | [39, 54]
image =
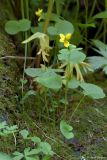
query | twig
[16, 57]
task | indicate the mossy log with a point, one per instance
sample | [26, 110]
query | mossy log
[8, 67]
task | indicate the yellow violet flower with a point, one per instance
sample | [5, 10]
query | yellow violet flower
[65, 39]
[39, 13]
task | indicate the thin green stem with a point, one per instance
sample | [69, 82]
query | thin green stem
[27, 8]
[69, 71]
[99, 29]
[105, 24]
[86, 21]
[46, 104]
[22, 9]
[77, 106]
[24, 62]
[93, 8]
[27, 16]
[77, 11]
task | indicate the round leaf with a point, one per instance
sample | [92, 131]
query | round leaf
[11, 27]
[24, 24]
[66, 130]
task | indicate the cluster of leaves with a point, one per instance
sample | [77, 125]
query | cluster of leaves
[41, 149]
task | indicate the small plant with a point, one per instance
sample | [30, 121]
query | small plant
[40, 149]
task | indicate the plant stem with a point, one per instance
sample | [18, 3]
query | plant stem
[77, 12]
[77, 106]
[93, 8]
[46, 104]
[27, 9]
[99, 30]
[25, 36]
[22, 9]
[86, 21]
[105, 24]
[25, 60]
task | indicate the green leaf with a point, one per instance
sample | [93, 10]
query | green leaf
[97, 62]
[4, 156]
[71, 56]
[24, 133]
[54, 17]
[52, 31]
[87, 25]
[34, 36]
[24, 24]
[105, 69]
[92, 90]
[34, 72]
[73, 83]
[66, 130]
[18, 155]
[51, 81]
[64, 27]
[11, 27]
[102, 48]
[102, 15]
[29, 152]
[45, 148]
[35, 139]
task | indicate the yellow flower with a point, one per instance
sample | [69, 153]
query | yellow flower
[39, 13]
[65, 39]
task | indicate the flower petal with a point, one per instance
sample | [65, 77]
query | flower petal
[39, 12]
[66, 43]
[68, 36]
[62, 37]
